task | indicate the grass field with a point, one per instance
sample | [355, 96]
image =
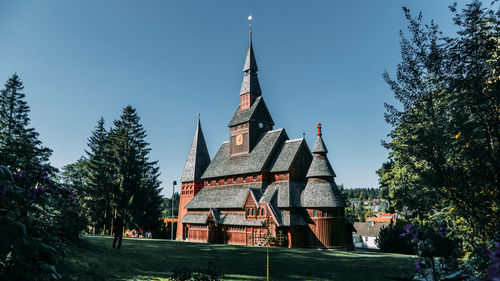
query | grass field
[93, 258]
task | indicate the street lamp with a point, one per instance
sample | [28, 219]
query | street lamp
[172, 225]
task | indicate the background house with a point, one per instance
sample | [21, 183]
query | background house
[366, 232]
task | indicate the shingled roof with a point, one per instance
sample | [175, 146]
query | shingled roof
[198, 158]
[227, 196]
[368, 228]
[320, 167]
[195, 217]
[321, 190]
[257, 112]
[250, 80]
[319, 146]
[254, 162]
[285, 155]
[321, 194]
[250, 62]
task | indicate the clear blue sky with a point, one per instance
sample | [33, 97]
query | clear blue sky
[319, 61]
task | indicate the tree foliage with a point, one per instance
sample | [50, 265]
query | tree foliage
[20, 147]
[118, 177]
[445, 142]
[37, 215]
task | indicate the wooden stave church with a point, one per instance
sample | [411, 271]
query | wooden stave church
[261, 175]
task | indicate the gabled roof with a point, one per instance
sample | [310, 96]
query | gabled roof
[198, 158]
[227, 196]
[285, 156]
[257, 112]
[321, 194]
[369, 229]
[254, 162]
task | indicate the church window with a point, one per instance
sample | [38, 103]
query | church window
[315, 213]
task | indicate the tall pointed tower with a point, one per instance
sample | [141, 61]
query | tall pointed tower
[252, 119]
[323, 202]
[196, 163]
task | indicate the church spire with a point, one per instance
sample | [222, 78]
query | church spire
[250, 80]
[198, 157]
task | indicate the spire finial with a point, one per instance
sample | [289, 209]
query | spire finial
[319, 130]
[303, 135]
[250, 25]
[199, 116]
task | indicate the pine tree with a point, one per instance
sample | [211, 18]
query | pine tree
[99, 196]
[136, 185]
[20, 148]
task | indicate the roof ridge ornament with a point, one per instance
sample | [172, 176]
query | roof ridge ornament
[319, 130]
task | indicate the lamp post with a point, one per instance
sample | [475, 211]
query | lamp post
[172, 225]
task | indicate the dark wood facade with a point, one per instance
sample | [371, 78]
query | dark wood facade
[260, 175]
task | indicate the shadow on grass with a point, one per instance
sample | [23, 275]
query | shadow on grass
[93, 258]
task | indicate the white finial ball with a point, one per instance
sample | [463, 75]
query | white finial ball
[250, 17]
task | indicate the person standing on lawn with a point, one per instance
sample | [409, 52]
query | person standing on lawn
[118, 230]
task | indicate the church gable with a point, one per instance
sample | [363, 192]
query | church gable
[257, 112]
[224, 165]
[250, 201]
[301, 162]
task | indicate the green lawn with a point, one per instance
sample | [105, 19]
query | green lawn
[93, 258]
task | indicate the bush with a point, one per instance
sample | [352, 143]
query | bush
[389, 239]
[35, 223]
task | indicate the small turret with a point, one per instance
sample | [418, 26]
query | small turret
[321, 190]
[323, 202]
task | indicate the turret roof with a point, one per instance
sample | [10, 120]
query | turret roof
[198, 158]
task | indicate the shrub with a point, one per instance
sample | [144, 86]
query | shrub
[389, 239]
[35, 223]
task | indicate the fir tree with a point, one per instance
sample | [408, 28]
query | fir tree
[99, 195]
[137, 186]
[20, 149]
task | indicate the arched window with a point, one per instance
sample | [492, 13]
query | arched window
[248, 212]
[245, 178]
[235, 180]
[254, 178]
[253, 212]
[315, 213]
